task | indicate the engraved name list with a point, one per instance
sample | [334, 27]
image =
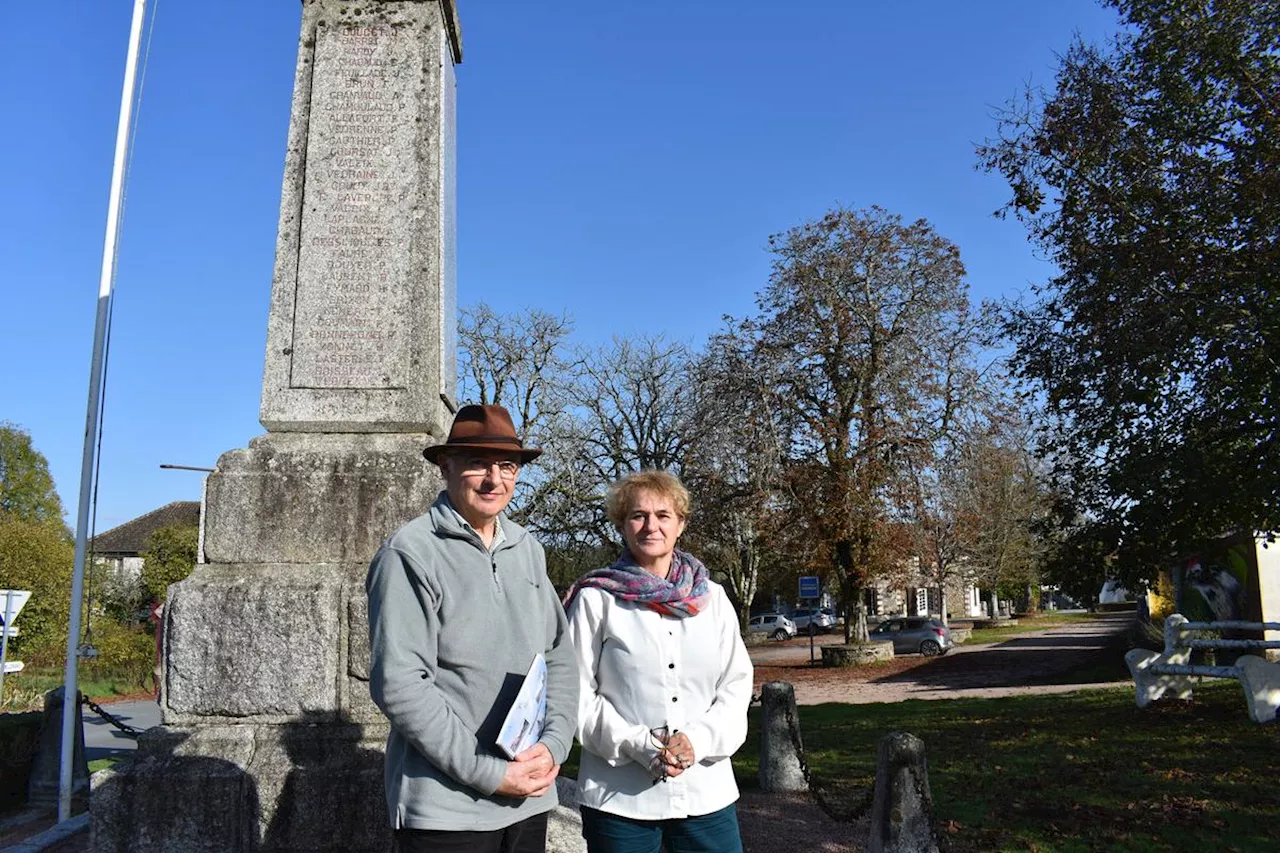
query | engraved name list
[350, 302]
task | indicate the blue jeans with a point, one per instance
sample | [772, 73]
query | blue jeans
[710, 833]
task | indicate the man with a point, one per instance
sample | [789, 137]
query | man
[459, 604]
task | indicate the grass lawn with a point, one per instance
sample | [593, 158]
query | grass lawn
[1026, 625]
[1065, 773]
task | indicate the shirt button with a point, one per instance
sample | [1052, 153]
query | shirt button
[671, 666]
[675, 699]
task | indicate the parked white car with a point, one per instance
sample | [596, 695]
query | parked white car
[774, 624]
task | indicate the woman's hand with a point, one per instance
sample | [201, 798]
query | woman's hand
[678, 756]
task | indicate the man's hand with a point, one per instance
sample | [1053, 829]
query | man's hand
[530, 774]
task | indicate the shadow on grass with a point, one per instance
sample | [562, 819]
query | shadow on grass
[1065, 657]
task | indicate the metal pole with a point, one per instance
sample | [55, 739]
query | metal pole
[70, 692]
[4, 642]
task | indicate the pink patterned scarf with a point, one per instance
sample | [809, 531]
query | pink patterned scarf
[682, 593]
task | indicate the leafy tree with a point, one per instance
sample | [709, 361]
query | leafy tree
[169, 558]
[1151, 177]
[38, 556]
[867, 321]
[1003, 496]
[26, 488]
[36, 551]
[942, 526]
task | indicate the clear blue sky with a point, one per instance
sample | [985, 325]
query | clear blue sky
[621, 161]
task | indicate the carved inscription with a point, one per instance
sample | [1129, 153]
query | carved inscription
[351, 305]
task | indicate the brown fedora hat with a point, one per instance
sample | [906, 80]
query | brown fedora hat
[483, 428]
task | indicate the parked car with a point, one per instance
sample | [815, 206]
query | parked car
[929, 637]
[774, 624]
[806, 615]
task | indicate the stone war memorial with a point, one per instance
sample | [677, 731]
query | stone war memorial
[270, 741]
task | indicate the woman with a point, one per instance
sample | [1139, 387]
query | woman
[665, 684]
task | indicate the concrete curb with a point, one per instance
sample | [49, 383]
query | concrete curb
[51, 836]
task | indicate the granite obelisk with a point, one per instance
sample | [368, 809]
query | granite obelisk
[270, 741]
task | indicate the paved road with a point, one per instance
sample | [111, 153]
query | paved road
[103, 740]
[1019, 665]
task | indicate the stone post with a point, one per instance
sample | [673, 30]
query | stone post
[43, 784]
[780, 741]
[902, 805]
[270, 740]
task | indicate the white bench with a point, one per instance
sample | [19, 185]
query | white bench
[1157, 674]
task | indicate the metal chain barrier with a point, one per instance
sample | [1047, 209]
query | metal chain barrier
[820, 796]
[863, 806]
[131, 731]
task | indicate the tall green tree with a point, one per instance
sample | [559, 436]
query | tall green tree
[36, 551]
[26, 488]
[38, 556]
[1150, 176]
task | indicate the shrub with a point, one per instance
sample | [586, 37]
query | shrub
[170, 557]
[125, 651]
[1162, 599]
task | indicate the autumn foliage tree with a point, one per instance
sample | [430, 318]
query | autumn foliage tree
[867, 321]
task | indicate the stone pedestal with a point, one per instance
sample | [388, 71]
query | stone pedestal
[902, 805]
[857, 654]
[270, 741]
[780, 741]
[42, 785]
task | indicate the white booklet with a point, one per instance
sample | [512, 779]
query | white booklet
[528, 715]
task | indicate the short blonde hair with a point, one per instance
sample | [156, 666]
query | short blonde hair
[622, 494]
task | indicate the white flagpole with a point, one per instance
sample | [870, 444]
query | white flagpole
[70, 711]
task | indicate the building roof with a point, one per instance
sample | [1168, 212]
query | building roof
[130, 538]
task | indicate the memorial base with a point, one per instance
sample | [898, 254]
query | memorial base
[300, 787]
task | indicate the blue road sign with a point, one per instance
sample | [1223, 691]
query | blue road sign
[810, 587]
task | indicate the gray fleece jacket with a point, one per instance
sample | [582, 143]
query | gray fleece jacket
[452, 632]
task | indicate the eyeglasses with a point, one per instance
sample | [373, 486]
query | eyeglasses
[480, 467]
[660, 737]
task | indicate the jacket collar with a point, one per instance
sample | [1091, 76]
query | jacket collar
[445, 518]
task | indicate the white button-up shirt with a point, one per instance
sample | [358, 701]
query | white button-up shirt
[641, 670]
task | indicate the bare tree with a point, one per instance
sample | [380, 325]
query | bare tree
[610, 410]
[735, 469]
[516, 360]
[521, 360]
